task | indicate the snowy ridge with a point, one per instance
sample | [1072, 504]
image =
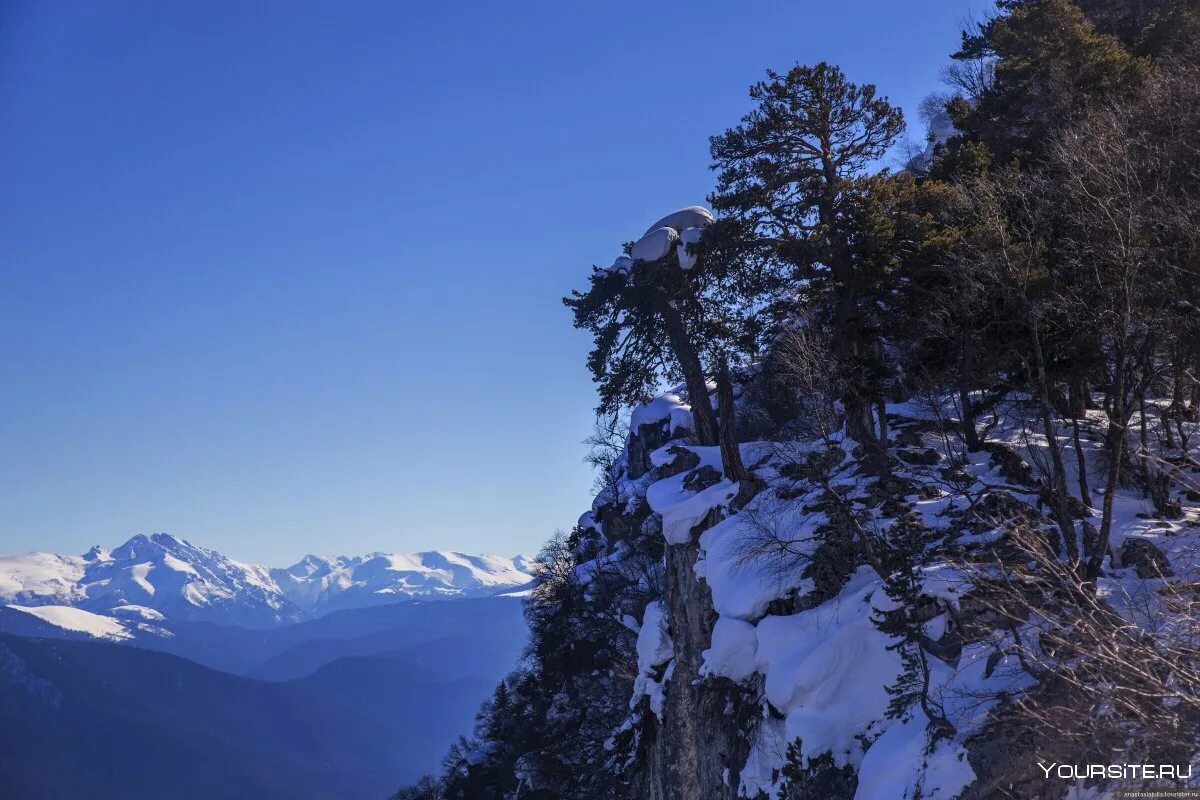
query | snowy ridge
[151, 578]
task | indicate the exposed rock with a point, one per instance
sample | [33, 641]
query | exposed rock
[926, 458]
[619, 524]
[684, 460]
[1001, 757]
[1171, 509]
[1012, 466]
[929, 492]
[1000, 506]
[1145, 557]
[701, 479]
[704, 721]
[832, 563]
[1075, 507]
[642, 442]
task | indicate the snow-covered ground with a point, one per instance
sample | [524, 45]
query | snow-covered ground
[823, 670]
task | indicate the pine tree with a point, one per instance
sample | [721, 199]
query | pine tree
[655, 319]
[907, 550]
[792, 174]
[644, 325]
[1050, 65]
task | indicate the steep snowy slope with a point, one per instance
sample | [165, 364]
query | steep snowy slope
[150, 578]
[33, 576]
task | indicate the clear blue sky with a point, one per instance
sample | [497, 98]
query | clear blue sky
[284, 277]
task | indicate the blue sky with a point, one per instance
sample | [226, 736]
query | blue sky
[285, 277]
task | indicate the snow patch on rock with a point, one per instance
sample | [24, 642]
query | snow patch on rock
[654, 648]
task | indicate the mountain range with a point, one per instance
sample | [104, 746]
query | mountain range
[151, 578]
[336, 677]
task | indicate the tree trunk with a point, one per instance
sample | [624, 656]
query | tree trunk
[693, 374]
[970, 432]
[1158, 480]
[1077, 396]
[731, 456]
[881, 443]
[1077, 401]
[1081, 464]
[1057, 491]
[1114, 443]
[1144, 448]
[859, 423]
[881, 413]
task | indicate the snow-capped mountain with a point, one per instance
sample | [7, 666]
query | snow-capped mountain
[149, 578]
[318, 584]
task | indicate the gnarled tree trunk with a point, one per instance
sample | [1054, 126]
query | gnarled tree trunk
[693, 374]
[731, 456]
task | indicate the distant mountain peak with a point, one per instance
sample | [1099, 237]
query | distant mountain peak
[181, 581]
[97, 553]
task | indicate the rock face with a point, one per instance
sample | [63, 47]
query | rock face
[703, 725]
[693, 750]
[642, 442]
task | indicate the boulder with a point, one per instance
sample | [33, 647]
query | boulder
[682, 460]
[927, 457]
[1145, 557]
[701, 479]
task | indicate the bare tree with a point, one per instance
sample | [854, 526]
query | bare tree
[1116, 190]
[807, 366]
[1107, 683]
[1008, 253]
[606, 446]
